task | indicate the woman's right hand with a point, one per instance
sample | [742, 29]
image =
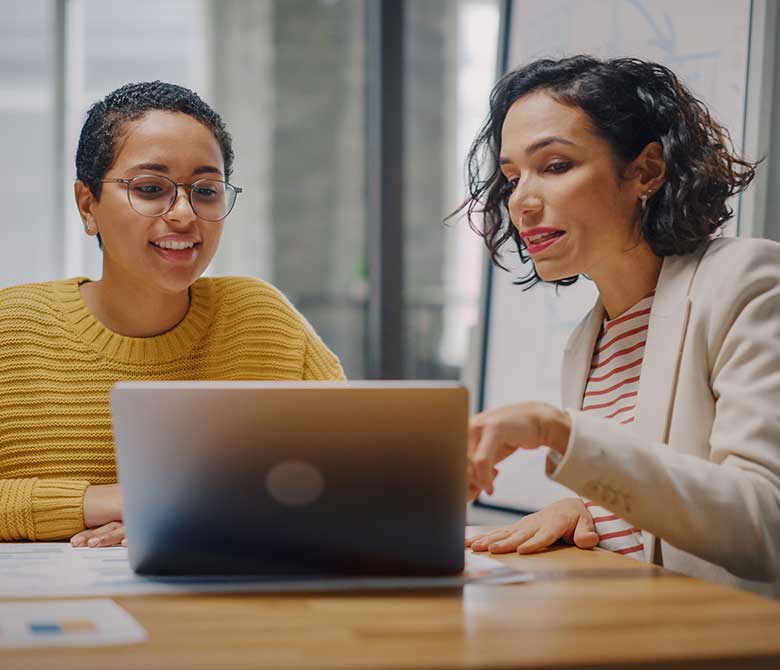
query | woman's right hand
[109, 535]
[568, 520]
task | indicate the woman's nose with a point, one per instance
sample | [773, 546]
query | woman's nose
[524, 201]
[181, 209]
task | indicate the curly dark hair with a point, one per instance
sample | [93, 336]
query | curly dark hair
[630, 103]
[106, 120]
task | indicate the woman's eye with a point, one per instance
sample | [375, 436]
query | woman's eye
[558, 166]
[148, 190]
[510, 185]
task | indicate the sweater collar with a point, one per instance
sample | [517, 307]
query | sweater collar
[169, 346]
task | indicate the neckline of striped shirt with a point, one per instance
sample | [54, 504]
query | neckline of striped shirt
[632, 322]
[613, 380]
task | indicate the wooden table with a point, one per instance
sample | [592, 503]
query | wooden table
[585, 609]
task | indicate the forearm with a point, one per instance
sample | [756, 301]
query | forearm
[719, 512]
[41, 509]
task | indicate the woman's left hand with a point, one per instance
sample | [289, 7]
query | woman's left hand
[567, 520]
[109, 535]
[496, 434]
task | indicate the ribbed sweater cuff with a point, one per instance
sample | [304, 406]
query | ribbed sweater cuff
[58, 508]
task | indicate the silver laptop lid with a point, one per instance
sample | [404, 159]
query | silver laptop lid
[292, 477]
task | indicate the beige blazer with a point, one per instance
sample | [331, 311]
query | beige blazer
[700, 468]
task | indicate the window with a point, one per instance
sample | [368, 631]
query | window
[450, 70]
[32, 231]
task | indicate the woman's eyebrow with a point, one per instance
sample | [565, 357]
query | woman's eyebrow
[536, 146]
[157, 167]
[546, 141]
[206, 168]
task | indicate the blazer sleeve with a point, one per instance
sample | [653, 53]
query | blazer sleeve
[724, 509]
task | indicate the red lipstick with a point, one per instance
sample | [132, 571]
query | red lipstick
[538, 239]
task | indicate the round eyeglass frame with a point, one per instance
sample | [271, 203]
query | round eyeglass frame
[235, 190]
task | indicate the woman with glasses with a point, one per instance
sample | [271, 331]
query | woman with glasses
[153, 168]
[670, 426]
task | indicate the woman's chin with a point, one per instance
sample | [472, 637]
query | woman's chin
[551, 271]
[174, 285]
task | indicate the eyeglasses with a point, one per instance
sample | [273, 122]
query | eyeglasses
[155, 195]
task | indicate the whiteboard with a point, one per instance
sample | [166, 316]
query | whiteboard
[706, 43]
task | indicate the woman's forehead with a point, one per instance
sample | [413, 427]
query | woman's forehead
[538, 117]
[167, 138]
[540, 112]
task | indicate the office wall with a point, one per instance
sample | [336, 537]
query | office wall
[707, 43]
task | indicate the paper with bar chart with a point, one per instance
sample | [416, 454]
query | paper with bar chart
[66, 623]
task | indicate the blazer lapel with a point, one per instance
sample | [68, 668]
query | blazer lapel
[661, 363]
[663, 348]
[577, 358]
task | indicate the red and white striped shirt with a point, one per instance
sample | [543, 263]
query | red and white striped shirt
[611, 393]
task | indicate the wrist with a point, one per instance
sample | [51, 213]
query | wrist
[557, 430]
[102, 504]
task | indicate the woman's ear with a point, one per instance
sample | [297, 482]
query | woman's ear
[648, 170]
[85, 201]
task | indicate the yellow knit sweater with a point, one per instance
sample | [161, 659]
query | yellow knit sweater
[58, 362]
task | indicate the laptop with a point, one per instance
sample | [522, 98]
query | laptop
[292, 478]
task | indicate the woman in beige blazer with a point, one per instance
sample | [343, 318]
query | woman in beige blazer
[613, 170]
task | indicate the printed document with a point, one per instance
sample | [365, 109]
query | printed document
[55, 569]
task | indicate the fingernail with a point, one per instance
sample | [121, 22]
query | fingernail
[93, 541]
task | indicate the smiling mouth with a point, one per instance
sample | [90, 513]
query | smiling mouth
[543, 237]
[535, 243]
[175, 246]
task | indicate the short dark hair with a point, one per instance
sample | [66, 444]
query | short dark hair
[630, 103]
[107, 117]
